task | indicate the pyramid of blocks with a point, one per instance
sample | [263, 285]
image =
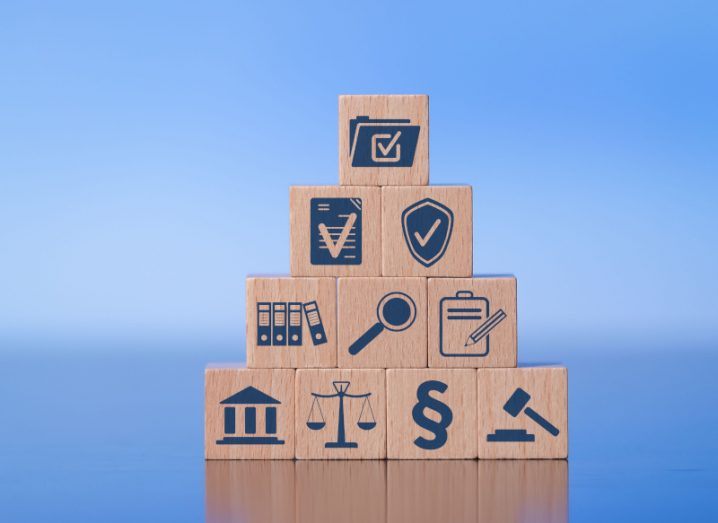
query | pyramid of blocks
[382, 343]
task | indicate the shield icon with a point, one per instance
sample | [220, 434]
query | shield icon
[427, 227]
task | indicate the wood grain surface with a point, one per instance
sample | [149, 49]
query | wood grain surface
[397, 259]
[548, 391]
[371, 444]
[412, 107]
[359, 310]
[298, 290]
[221, 382]
[301, 231]
[449, 331]
[459, 397]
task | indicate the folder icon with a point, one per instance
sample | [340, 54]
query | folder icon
[264, 323]
[279, 323]
[294, 330]
[382, 142]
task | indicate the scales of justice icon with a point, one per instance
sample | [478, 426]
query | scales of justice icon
[316, 420]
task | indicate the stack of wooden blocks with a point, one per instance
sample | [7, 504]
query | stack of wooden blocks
[382, 344]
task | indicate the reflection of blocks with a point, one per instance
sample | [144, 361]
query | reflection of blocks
[472, 322]
[427, 231]
[460, 398]
[433, 491]
[384, 140]
[340, 491]
[516, 403]
[359, 310]
[259, 490]
[249, 413]
[291, 322]
[341, 414]
[335, 231]
[517, 488]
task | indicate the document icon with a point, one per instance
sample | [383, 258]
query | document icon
[336, 231]
[465, 323]
[382, 142]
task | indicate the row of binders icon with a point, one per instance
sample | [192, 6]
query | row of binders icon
[279, 323]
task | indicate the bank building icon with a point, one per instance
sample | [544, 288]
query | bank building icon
[250, 400]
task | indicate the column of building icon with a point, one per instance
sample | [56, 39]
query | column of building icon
[382, 342]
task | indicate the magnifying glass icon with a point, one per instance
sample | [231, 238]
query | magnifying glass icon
[396, 312]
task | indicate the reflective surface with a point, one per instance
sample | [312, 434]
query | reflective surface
[118, 436]
[379, 491]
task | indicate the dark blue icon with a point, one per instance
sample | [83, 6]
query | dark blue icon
[396, 312]
[437, 427]
[382, 143]
[314, 320]
[280, 323]
[427, 227]
[335, 235]
[508, 435]
[516, 404]
[469, 315]
[316, 420]
[250, 398]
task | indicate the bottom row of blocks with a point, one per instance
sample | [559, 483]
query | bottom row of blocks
[514, 413]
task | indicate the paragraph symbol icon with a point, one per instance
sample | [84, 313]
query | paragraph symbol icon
[437, 427]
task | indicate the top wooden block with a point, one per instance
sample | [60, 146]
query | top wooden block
[384, 140]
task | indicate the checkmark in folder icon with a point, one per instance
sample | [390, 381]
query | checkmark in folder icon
[382, 142]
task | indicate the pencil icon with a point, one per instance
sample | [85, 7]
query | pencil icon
[483, 330]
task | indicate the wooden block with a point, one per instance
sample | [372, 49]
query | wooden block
[249, 491]
[472, 322]
[433, 490]
[427, 231]
[523, 413]
[291, 322]
[249, 413]
[322, 396]
[392, 309]
[509, 490]
[431, 413]
[335, 231]
[341, 491]
[394, 151]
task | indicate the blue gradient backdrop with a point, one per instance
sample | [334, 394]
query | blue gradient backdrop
[146, 153]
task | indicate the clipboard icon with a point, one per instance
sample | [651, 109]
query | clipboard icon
[465, 322]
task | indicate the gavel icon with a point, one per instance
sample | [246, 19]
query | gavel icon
[516, 403]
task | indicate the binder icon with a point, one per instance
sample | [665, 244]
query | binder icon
[294, 330]
[264, 323]
[314, 320]
[464, 325]
[279, 323]
[382, 142]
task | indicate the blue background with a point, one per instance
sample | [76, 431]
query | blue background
[146, 151]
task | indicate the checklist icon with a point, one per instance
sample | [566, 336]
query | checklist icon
[336, 231]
